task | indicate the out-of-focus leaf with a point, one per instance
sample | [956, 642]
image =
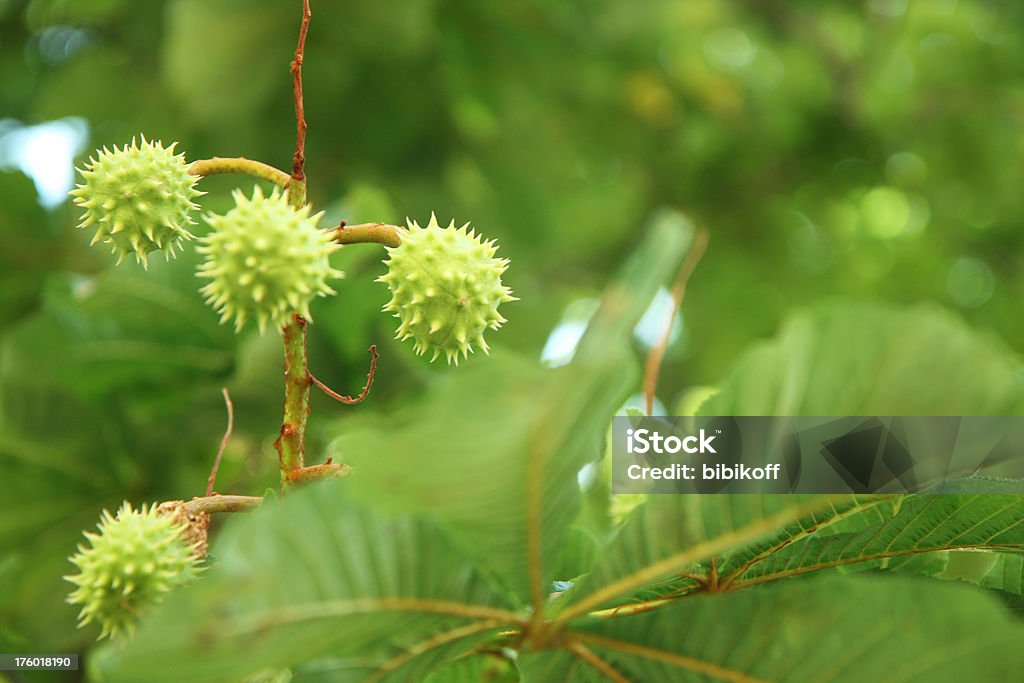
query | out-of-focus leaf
[854, 629]
[121, 328]
[859, 359]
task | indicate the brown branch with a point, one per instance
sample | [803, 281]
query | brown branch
[299, 161]
[215, 503]
[223, 441]
[366, 388]
[657, 354]
[381, 233]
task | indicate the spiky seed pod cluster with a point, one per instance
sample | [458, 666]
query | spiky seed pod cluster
[139, 198]
[265, 259]
[445, 288]
[134, 560]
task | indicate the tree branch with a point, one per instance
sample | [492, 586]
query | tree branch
[381, 233]
[223, 442]
[299, 161]
[256, 169]
[348, 400]
[214, 504]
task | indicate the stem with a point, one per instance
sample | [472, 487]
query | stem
[327, 470]
[653, 366]
[381, 233]
[299, 161]
[213, 504]
[349, 400]
[223, 442]
[291, 443]
[256, 169]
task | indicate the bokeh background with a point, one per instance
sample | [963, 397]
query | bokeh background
[865, 150]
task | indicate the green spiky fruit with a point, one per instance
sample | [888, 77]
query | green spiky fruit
[445, 288]
[134, 560]
[265, 259]
[139, 198]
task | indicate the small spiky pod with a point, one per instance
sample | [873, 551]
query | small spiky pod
[445, 288]
[139, 198]
[265, 259]
[135, 559]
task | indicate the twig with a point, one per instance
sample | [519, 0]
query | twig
[299, 161]
[256, 169]
[212, 504]
[381, 233]
[366, 388]
[327, 470]
[657, 354]
[223, 441]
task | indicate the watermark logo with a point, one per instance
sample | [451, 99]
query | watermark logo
[643, 441]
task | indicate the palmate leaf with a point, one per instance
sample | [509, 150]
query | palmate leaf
[318, 575]
[669, 535]
[679, 544]
[822, 630]
[500, 473]
[494, 453]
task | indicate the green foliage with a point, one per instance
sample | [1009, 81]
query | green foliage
[855, 151]
[712, 567]
[860, 359]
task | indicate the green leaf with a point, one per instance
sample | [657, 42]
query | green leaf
[669, 535]
[892, 629]
[1007, 574]
[499, 473]
[915, 524]
[317, 575]
[121, 328]
[491, 667]
[865, 359]
[830, 361]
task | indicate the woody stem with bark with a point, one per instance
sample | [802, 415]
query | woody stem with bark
[291, 442]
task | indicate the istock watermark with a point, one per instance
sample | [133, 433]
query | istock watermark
[645, 441]
[863, 455]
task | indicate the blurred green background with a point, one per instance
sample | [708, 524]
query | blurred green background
[832, 149]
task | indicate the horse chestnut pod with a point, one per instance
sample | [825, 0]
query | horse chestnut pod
[445, 288]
